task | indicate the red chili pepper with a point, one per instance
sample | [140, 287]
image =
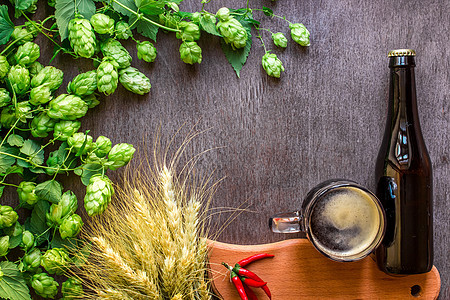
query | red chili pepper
[267, 291]
[253, 258]
[244, 272]
[253, 283]
[251, 295]
[239, 286]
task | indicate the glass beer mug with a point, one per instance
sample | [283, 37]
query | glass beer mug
[343, 220]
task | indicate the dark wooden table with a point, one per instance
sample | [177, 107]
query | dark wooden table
[275, 139]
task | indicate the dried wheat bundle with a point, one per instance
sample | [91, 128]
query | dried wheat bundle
[151, 241]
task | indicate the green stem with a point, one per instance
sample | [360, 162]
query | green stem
[140, 16]
[9, 131]
[260, 37]
[9, 184]
[15, 41]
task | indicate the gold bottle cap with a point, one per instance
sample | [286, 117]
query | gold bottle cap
[402, 52]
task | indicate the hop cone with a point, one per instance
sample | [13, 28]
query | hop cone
[50, 76]
[27, 240]
[114, 49]
[146, 51]
[4, 245]
[223, 14]
[102, 146]
[4, 66]
[80, 140]
[123, 30]
[44, 285]
[55, 261]
[7, 216]
[102, 23]
[120, 155]
[82, 37]
[72, 289]
[134, 81]
[67, 107]
[23, 111]
[8, 117]
[42, 125]
[98, 195]
[26, 192]
[279, 39]
[35, 68]
[19, 78]
[65, 129]
[64, 208]
[71, 226]
[189, 31]
[83, 84]
[5, 99]
[107, 77]
[190, 53]
[272, 65]
[27, 54]
[233, 33]
[22, 35]
[40, 94]
[31, 261]
[299, 34]
[91, 100]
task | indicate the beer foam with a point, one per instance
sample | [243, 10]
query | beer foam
[345, 222]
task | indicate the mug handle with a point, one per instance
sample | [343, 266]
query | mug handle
[290, 222]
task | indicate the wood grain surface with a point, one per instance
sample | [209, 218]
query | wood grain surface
[299, 271]
[274, 139]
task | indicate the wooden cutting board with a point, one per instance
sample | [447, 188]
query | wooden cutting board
[298, 271]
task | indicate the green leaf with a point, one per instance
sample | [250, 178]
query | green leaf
[267, 11]
[15, 140]
[15, 170]
[150, 7]
[6, 26]
[90, 170]
[38, 221]
[22, 4]
[50, 190]
[6, 161]
[15, 241]
[32, 149]
[1, 190]
[58, 242]
[65, 11]
[238, 57]
[13, 285]
[145, 28]
[209, 26]
[127, 3]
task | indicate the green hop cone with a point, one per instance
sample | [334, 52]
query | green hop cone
[23, 111]
[7, 216]
[27, 54]
[102, 23]
[272, 65]
[279, 39]
[19, 78]
[42, 125]
[40, 94]
[80, 142]
[65, 208]
[123, 30]
[50, 76]
[65, 129]
[233, 33]
[102, 146]
[134, 81]
[14, 230]
[190, 53]
[114, 49]
[195, 17]
[82, 37]
[98, 195]
[72, 289]
[120, 155]
[27, 240]
[146, 51]
[5, 98]
[223, 14]
[189, 31]
[83, 84]
[22, 35]
[26, 192]
[169, 20]
[299, 34]
[4, 245]
[107, 76]
[35, 68]
[31, 260]
[67, 107]
[91, 100]
[4, 66]
[8, 117]
[71, 226]
[44, 285]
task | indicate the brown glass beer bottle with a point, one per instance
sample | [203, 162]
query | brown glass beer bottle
[404, 177]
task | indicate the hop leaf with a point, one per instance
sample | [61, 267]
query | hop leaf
[134, 81]
[190, 53]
